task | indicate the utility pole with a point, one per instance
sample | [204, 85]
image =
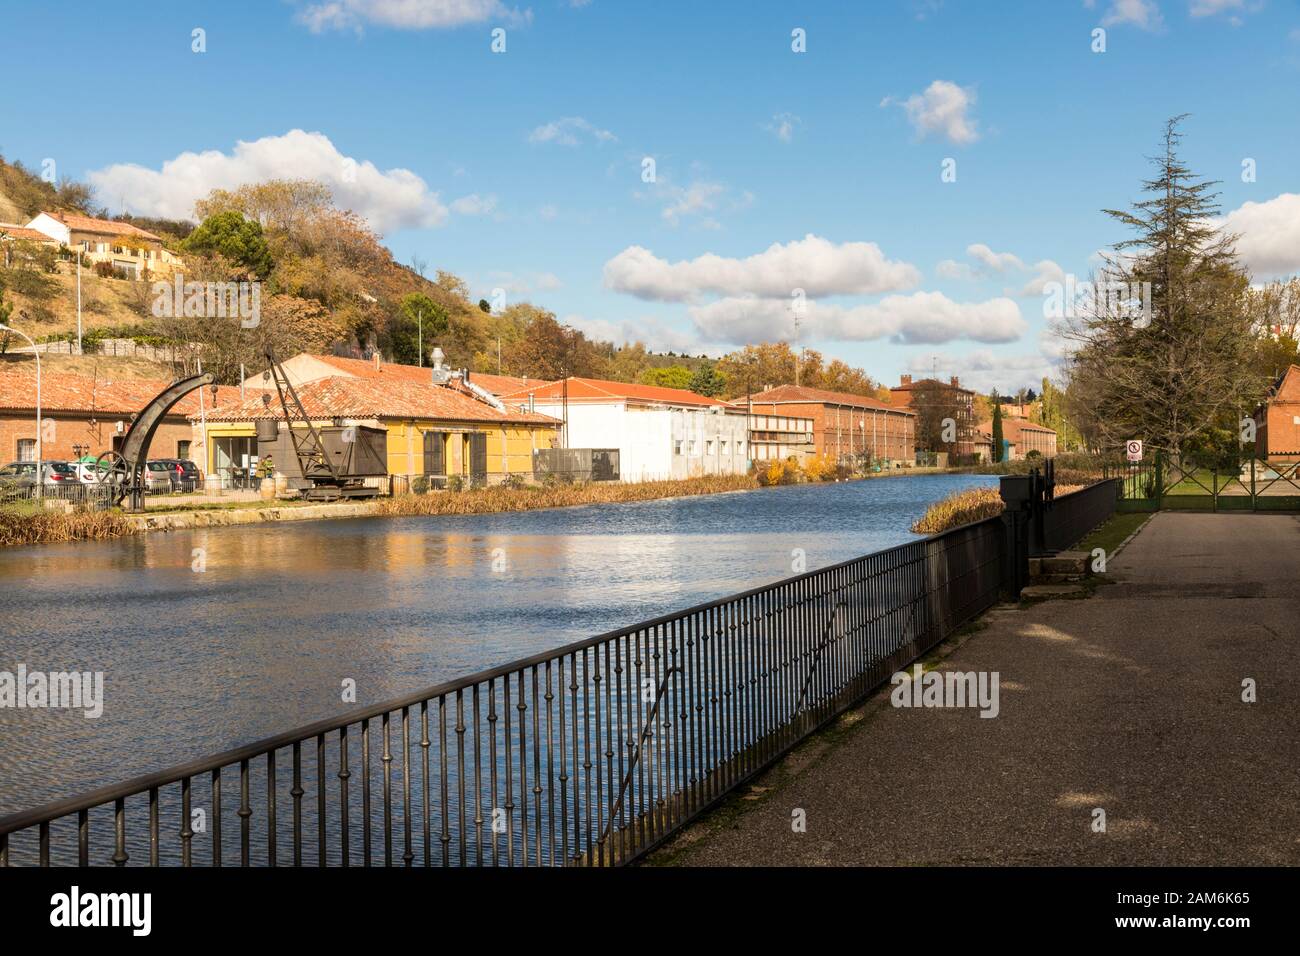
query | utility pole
[419, 336]
[78, 301]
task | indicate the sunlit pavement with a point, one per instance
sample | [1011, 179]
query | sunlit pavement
[1129, 702]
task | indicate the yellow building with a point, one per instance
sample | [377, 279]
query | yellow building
[432, 430]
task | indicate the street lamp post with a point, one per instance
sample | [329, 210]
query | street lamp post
[40, 450]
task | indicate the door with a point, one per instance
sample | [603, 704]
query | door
[478, 458]
[435, 453]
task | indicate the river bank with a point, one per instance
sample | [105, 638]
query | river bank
[26, 524]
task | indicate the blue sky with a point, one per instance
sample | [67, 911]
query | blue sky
[523, 170]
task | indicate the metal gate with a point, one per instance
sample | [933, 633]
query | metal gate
[1181, 483]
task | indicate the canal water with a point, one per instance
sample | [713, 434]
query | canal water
[211, 638]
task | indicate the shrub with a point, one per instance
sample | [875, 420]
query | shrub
[513, 481]
[455, 483]
[959, 508]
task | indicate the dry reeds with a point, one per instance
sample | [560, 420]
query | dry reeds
[959, 508]
[23, 524]
[498, 499]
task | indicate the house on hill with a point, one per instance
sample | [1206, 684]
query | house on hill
[132, 251]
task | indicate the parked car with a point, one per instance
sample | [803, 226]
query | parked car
[87, 473]
[158, 475]
[184, 474]
[19, 477]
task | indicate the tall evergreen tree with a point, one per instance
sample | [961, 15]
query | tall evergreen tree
[997, 427]
[1165, 347]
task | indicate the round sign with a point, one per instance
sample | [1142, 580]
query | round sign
[1134, 449]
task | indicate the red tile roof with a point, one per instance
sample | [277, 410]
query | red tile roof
[105, 227]
[10, 231]
[65, 392]
[365, 368]
[341, 396]
[1012, 428]
[802, 394]
[596, 390]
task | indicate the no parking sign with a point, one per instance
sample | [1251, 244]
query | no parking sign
[1134, 448]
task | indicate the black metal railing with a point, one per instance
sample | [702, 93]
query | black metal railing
[1067, 519]
[592, 754]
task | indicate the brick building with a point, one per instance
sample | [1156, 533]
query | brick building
[945, 396]
[1277, 420]
[844, 425]
[83, 415]
[1021, 437]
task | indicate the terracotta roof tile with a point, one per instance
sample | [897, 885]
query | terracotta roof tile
[65, 392]
[596, 389]
[10, 231]
[101, 226]
[783, 394]
[341, 396]
[365, 368]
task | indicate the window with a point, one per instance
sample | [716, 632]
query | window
[708, 447]
[27, 449]
[677, 448]
[183, 450]
[692, 446]
[722, 446]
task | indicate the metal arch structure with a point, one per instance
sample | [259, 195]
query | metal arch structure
[127, 473]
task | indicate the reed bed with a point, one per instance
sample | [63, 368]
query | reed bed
[22, 524]
[959, 508]
[498, 499]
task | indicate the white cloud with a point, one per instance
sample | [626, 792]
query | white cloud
[994, 261]
[549, 212]
[474, 205]
[1143, 14]
[952, 269]
[816, 265]
[1209, 8]
[985, 370]
[405, 14]
[647, 330]
[942, 109]
[782, 126]
[570, 131]
[1045, 271]
[392, 199]
[1269, 232]
[697, 199]
[922, 317]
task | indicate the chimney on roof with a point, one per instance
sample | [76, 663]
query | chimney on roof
[905, 380]
[440, 374]
[955, 382]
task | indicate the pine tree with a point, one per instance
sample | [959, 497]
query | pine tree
[1179, 366]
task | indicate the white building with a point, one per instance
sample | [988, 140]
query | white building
[659, 432]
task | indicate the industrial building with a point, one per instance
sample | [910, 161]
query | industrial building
[664, 432]
[845, 426]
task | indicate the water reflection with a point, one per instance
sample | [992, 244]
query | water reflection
[262, 639]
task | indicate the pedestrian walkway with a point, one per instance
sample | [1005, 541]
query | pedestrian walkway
[1128, 701]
